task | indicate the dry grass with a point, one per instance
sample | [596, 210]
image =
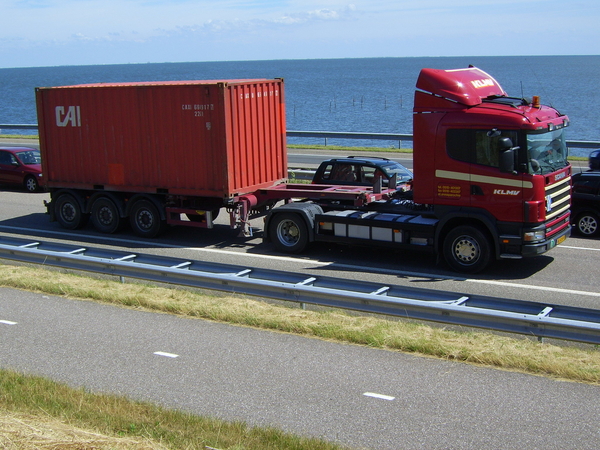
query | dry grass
[36, 413]
[483, 348]
[19, 431]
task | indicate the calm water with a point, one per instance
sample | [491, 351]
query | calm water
[353, 95]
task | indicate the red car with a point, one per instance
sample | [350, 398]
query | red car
[21, 166]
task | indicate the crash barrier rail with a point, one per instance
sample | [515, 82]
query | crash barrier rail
[528, 318]
[326, 135]
[395, 137]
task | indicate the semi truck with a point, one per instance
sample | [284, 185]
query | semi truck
[491, 176]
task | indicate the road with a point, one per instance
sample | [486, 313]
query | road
[303, 385]
[565, 275]
[357, 396]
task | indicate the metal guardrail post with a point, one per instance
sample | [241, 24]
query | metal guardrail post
[529, 318]
[345, 135]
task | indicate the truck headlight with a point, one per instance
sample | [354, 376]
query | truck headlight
[532, 236]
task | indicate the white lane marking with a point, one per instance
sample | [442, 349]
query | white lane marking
[8, 322]
[579, 248]
[536, 288]
[168, 355]
[380, 396]
[338, 265]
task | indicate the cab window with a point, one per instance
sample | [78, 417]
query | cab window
[477, 146]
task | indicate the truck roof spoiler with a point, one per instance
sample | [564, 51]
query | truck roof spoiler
[468, 86]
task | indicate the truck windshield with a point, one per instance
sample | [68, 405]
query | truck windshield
[546, 152]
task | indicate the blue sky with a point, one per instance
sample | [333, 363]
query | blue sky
[80, 32]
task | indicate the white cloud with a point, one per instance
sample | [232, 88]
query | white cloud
[170, 30]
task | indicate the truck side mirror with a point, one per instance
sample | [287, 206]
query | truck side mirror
[504, 143]
[507, 155]
[507, 161]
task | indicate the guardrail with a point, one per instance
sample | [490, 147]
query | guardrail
[534, 319]
[326, 135]
[14, 126]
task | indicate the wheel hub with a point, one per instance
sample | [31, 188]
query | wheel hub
[466, 250]
[588, 225]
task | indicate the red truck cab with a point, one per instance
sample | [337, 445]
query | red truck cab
[489, 162]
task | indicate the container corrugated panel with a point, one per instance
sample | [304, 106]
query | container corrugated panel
[207, 138]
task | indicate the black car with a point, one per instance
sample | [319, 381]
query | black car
[585, 207]
[595, 160]
[360, 171]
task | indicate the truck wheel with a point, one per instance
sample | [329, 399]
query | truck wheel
[467, 249]
[587, 224]
[288, 232]
[105, 216]
[145, 219]
[68, 212]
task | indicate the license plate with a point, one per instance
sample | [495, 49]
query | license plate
[561, 239]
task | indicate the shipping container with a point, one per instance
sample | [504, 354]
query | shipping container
[218, 138]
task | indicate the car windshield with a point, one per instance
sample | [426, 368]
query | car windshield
[30, 157]
[401, 172]
[546, 152]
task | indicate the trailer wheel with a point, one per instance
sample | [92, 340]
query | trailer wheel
[145, 219]
[105, 216]
[467, 249]
[68, 212]
[587, 224]
[288, 232]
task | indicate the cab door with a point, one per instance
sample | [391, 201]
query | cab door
[499, 193]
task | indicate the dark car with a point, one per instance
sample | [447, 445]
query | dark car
[21, 166]
[360, 171]
[595, 160]
[585, 207]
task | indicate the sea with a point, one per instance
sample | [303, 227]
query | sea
[370, 95]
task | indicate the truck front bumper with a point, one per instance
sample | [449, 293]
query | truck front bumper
[538, 248]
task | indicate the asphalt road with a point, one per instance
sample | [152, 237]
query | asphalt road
[303, 385]
[358, 396]
[565, 275]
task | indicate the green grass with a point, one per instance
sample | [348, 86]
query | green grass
[352, 149]
[37, 413]
[317, 147]
[18, 136]
[383, 150]
[477, 347]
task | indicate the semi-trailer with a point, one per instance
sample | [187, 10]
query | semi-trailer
[491, 176]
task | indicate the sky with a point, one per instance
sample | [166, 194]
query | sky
[36, 33]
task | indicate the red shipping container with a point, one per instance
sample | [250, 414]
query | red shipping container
[200, 138]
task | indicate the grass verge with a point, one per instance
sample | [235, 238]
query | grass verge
[318, 147]
[477, 347]
[36, 413]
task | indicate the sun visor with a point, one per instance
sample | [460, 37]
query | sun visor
[466, 86]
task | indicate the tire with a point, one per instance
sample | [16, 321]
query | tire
[105, 216]
[31, 184]
[587, 224]
[197, 218]
[68, 212]
[467, 249]
[145, 219]
[288, 232]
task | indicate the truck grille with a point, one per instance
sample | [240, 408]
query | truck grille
[558, 198]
